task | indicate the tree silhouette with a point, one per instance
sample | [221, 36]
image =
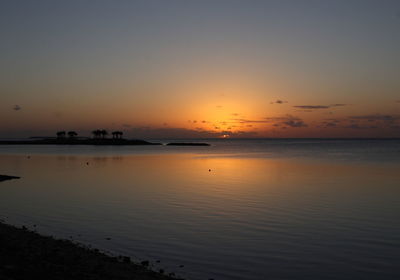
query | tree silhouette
[96, 133]
[60, 134]
[72, 134]
[117, 134]
[103, 133]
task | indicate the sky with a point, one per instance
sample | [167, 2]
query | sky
[200, 69]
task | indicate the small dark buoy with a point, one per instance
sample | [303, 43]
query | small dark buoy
[209, 170]
[108, 238]
[28, 157]
[158, 261]
[181, 265]
[87, 163]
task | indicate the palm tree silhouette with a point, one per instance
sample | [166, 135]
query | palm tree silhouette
[96, 133]
[103, 133]
[60, 134]
[72, 134]
[117, 134]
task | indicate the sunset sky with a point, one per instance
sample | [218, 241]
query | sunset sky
[166, 69]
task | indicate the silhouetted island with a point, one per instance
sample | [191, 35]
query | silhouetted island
[24, 254]
[77, 141]
[89, 141]
[6, 177]
[99, 138]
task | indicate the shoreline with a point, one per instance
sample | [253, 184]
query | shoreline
[26, 254]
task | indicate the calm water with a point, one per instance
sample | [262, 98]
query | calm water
[282, 209]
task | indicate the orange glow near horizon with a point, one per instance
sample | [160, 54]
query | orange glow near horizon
[214, 110]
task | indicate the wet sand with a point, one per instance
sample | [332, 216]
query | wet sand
[25, 254]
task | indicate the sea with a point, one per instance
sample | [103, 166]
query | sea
[238, 209]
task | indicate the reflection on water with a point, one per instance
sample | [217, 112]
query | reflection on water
[220, 217]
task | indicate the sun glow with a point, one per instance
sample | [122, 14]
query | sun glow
[222, 114]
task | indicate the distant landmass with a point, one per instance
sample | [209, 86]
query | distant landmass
[6, 177]
[90, 141]
[76, 141]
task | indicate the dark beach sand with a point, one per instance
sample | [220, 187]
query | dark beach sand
[25, 254]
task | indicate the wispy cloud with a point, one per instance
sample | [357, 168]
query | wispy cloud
[311, 107]
[317, 107]
[287, 121]
[371, 121]
[376, 117]
[278, 101]
[251, 121]
[282, 121]
[330, 123]
[358, 126]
